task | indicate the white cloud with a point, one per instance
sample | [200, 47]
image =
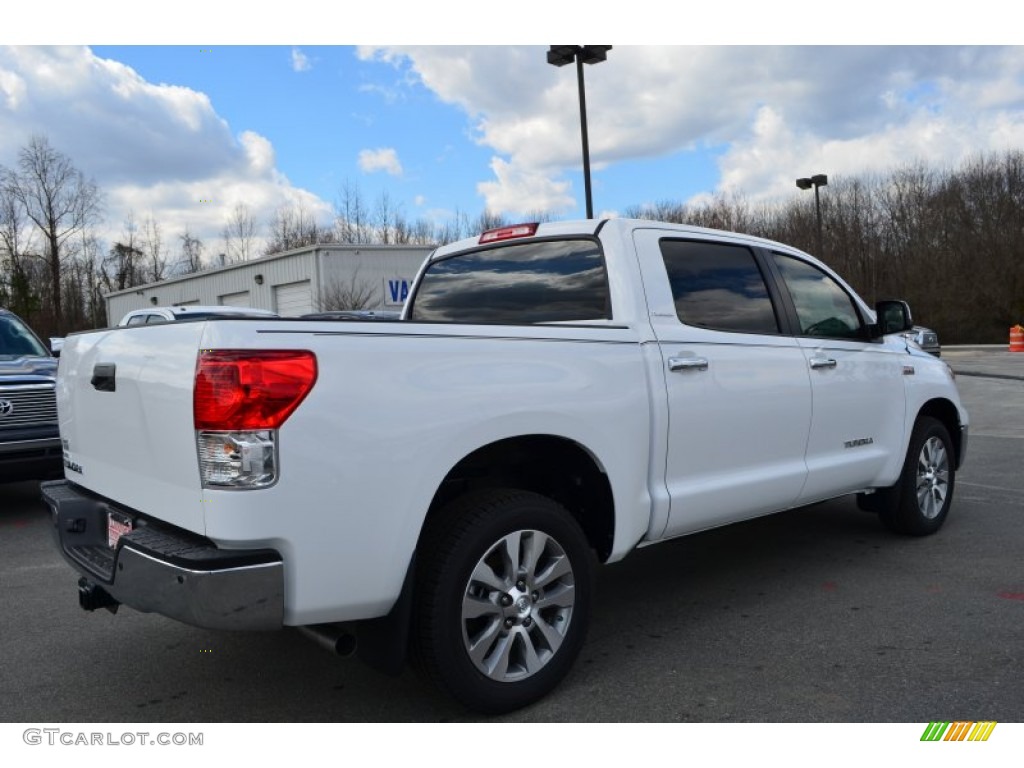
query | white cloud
[384, 159]
[12, 88]
[389, 94]
[517, 190]
[259, 152]
[770, 112]
[150, 148]
[300, 61]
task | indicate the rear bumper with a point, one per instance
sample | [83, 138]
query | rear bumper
[160, 569]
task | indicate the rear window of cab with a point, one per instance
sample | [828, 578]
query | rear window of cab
[541, 281]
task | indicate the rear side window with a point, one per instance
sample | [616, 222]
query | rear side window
[551, 281]
[718, 286]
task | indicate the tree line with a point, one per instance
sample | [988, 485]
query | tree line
[947, 240]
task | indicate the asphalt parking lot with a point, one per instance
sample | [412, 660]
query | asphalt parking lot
[816, 614]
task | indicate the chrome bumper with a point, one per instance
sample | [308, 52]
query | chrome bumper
[165, 570]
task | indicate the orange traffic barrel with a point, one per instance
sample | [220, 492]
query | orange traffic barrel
[1017, 339]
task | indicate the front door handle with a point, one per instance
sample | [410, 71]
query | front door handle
[822, 362]
[687, 364]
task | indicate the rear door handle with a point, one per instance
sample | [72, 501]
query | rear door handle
[687, 364]
[822, 362]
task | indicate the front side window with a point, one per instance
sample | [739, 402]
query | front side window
[548, 281]
[718, 286]
[822, 306]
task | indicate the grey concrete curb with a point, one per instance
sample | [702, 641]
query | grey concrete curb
[981, 375]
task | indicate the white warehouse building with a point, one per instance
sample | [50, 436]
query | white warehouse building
[291, 283]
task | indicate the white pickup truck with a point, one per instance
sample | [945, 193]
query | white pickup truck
[554, 395]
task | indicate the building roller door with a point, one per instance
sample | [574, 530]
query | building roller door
[236, 299]
[293, 299]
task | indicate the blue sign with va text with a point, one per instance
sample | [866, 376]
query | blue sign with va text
[396, 291]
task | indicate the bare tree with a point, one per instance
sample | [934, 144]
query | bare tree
[91, 286]
[423, 233]
[295, 227]
[489, 220]
[385, 217]
[239, 234]
[350, 216]
[151, 240]
[16, 289]
[84, 277]
[123, 267]
[448, 232]
[350, 293]
[58, 199]
[191, 253]
[14, 235]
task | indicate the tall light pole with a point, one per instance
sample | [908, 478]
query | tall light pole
[559, 56]
[816, 181]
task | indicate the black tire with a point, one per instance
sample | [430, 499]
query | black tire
[503, 593]
[919, 502]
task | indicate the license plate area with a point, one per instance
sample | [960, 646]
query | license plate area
[118, 525]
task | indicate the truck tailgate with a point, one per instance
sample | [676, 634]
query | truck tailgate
[124, 399]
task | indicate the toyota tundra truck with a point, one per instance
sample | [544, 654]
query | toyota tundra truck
[554, 396]
[29, 441]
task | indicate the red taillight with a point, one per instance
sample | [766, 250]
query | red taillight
[242, 389]
[508, 233]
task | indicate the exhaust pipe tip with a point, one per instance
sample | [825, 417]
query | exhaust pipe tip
[336, 638]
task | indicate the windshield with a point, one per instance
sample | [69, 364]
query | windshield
[16, 340]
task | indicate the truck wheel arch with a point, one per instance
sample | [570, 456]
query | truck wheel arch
[549, 465]
[944, 411]
[552, 466]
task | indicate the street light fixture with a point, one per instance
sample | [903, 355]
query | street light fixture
[559, 56]
[816, 181]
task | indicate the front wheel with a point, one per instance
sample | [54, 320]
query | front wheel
[919, 502]
[504, 590]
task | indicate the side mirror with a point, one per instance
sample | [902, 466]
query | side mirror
[56, 345]
[892, 316]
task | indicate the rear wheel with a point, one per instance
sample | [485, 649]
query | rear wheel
[919, 503]
[504, 590]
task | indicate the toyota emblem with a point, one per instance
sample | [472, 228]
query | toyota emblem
[6, 407]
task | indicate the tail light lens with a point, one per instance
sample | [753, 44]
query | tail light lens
[250, 389]
[237, 459]
[241, 398]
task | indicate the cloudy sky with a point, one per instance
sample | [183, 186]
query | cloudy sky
[184, 133]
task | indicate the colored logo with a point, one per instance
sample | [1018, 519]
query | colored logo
[958, 731]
